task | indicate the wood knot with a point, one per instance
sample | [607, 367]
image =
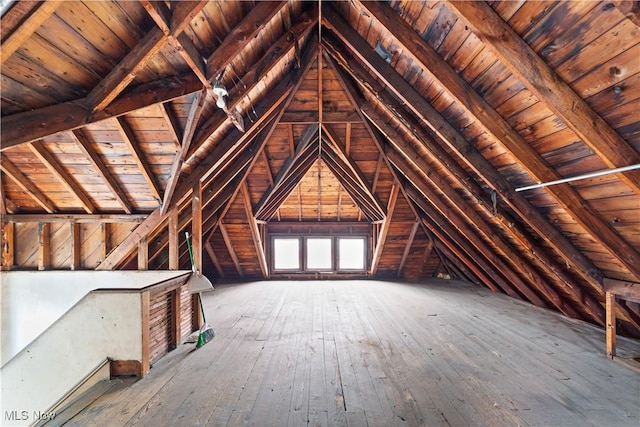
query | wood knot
[608, 6]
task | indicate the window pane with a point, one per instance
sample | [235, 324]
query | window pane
[351, 254]
[286, 254]
[319, 254]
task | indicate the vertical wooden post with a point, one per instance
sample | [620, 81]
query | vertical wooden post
[144, 306]
[104, 240]
[8, 246]
[196, 321]
[174, 264]
[174, 259]
[176, 307]
[196, 244]
[196, 225]
[143, 254]
[611, 324]
[44, 245]
[76, 241]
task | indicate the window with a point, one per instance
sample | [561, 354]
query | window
[351, 253]
[304, 253]
[286, 254]
[318, 253]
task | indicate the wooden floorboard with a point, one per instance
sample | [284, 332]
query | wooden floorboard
[369, 353]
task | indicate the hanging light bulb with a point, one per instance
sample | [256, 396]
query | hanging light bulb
[220, 92]
[220, 102]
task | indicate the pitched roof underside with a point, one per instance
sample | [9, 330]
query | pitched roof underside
[109, 124]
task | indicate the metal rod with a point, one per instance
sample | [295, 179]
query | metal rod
[579, 177]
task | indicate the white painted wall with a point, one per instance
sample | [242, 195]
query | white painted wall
[32, 300]
[102, 324]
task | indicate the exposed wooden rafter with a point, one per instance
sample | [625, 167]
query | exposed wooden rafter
[92, 156]
[241, 35]
[138, 156]
[267, 110]
[124, 73]
[525, 63]
[352, 94]
[165, 18]
[23, 182]
[407, 248]
[32, 125]
[547, 263]
[233, 144]
[216, 193]
[351, 170]
[160, 13]
[349, 176]
[458, 242]
[62, 175]
[278, 52]
[255, 233]
[460, 175]
[77, 218]
[384, 229]
[462, 265]
[43, 10]
[563, 194]
[195, 112]
[6, 206]
[493, 178]
[520, 266]
[172, 123]
[229, 244]
[257, 146]
[214, 259]
[295, 167]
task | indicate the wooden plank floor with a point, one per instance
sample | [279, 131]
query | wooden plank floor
[366, 353]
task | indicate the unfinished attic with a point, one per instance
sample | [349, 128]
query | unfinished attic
[375, 173]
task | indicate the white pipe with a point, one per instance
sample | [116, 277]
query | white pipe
[579, 177]
[5, 5]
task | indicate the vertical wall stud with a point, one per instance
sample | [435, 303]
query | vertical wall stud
[44, 245]
[174, 260]
[104, 240]
[76, 243]
[143, 254]
[7, 243]
[611, 324]
[196, 240]
[144, 306]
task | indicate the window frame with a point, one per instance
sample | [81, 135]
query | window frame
[337, 253]
[332, 254]
[302, 253]
[273, 254]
